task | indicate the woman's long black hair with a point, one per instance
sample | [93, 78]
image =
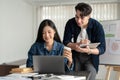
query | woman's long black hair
[44, 23]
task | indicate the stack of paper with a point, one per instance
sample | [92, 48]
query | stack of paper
[70, 77]
[91, 45]
[63, 77]
[36, 76]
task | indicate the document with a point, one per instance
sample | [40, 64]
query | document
[64, 77]
[35, 76]
[18, 76]
[70, 77]
[91, 45]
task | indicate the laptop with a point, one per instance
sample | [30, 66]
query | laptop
[48, 64]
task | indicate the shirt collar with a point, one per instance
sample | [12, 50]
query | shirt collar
[54, 45]
[90, 23]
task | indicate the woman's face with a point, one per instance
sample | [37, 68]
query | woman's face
[48, 34]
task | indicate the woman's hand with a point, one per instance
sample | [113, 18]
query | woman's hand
[68, 55]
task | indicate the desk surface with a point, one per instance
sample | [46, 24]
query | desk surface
[81, 74]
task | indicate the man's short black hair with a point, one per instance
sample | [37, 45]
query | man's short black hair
[84, 8]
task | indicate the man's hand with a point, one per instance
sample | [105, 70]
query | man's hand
[85, 41]
[76, 46]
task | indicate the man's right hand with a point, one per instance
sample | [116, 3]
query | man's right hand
[76, 46]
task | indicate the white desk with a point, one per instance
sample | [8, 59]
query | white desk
[19, 76]
[16, 76]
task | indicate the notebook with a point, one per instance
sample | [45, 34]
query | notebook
[91, 45]
[48, 64]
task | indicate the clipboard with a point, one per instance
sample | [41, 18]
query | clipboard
[91, 45]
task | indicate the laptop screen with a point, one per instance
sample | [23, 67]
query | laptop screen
[48, 64]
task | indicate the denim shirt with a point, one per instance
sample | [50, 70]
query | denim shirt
[40, 49]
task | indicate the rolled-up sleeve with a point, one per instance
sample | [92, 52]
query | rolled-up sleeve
[67, 68]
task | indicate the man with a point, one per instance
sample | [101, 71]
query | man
[82, 29]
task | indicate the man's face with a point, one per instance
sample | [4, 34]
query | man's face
[81, 21]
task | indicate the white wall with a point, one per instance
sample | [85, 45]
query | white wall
[119, 11]
[16, 29]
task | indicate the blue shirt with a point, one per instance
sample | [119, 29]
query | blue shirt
[95, 34]
[40, 49]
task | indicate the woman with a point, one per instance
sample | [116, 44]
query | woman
[48, 43]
